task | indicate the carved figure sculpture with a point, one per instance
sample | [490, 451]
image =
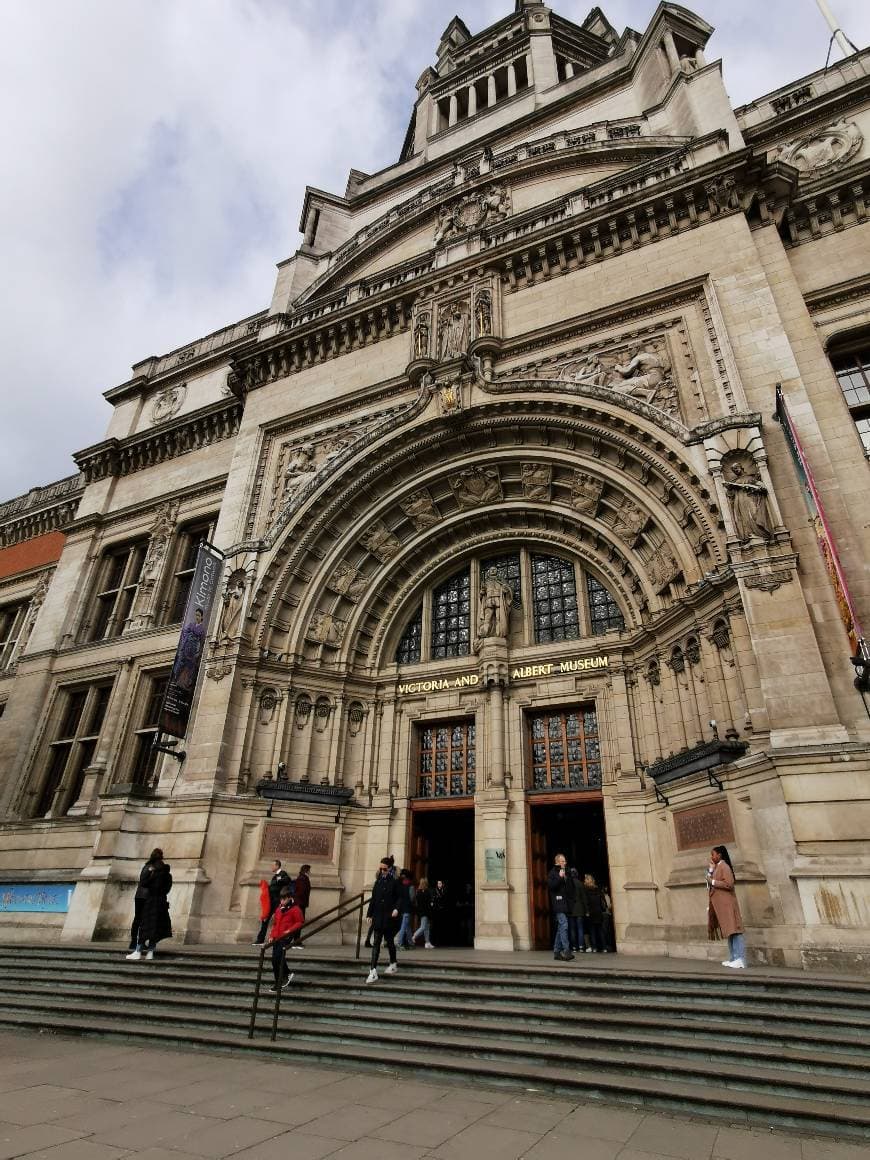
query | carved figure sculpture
[662, 568]
[334, 448]
[585, 493]
[641, 376]
[421, 334]
[168, 403]
[381, 542]
[231, 613]
[494, 606]
[326, 629]
[748, 498]
[688, 64]
[722, 194]
[300, 470]
[453, 334]
[476, 485]
[537, 481]
[630, 522]
[446, 225]
[483, 312]
[421, 510]
[347, 581]
[824, 148]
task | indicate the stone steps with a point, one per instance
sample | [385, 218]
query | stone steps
[784, 1051]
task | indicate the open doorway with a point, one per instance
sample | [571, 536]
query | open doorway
[442, 848]
[573, 828]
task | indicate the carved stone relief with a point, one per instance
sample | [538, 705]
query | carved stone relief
[476, 485]
[538, 481]
[585, 493]
[168, 403]
[381, 542]
[483, 207]
[823, 148]
[662, 569]
[629, 522]
[268, 704]
[641, 370]
[421, 510]
[347, 581]
[355, 716]
[748, 497]
[326, 629]
[722, 194]
[322, 713]
[302, 710]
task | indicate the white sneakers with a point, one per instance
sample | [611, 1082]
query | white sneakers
[726, 962]
[738, 964]
[149, 955]
[134, 956]
[391, 969]
[373, 976]
[430, 946]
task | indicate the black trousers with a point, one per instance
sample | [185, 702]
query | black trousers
[279, 960]
[138, 903]
[387, 936]
[264, 925]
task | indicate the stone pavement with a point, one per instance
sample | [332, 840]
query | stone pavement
[63, 1098]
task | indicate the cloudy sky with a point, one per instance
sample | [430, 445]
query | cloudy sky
[157, 152]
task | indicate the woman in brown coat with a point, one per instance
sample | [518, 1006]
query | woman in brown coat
[723, 906]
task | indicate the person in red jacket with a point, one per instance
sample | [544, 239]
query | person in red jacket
[287, 921]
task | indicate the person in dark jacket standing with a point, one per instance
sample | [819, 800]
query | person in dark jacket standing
[424, 913]
[595, 909]
[154, 921]
[382, 914]
[407, 906]
[280, 878]
[562, 894]
[579, 912]
[302, 888]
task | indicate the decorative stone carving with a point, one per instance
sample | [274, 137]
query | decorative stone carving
[300, 470]
[453, 331]
[229, 626]
[326, 629]
[823, 148]
[482, 313]
[483, 207]
[268, 704]
[629, 522]
[450, 397]
[355, 716]
[381, 542]
[720, 636]
[322, 712]
[585, 493]
[168, 403]
[662, 569]
[693, 650]
[347, 581]
[158, 543]
[36, 602]
[643, 375]
[538, 481]
[653, 673]
[688, 64]
[646, 374]
[494, 606]
[722, 194]
[421, 510]
[302, 710]
[475, 486]
[768, 579]
[422, 333]
[748, 497]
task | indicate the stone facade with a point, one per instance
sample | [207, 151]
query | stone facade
[509, 528]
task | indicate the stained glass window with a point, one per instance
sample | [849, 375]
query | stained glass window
[447, 760]
[604, 612]
[408, 652]
[554, 593]
[451, 603]
[564, 750]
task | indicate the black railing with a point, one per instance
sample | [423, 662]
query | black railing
[343, 910]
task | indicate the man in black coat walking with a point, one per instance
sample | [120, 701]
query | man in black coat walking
[280, 878]
[382, 914]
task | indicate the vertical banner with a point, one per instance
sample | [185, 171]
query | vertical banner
[824, 539]
[178, 699]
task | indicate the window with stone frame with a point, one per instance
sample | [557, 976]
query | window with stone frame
[118, 576]
[554, 599]
[12, 620]
[142, 772]
[189, 537]
[409, 649]
[851, 363]
[451, 616]
[81, 712]
[564, 749]
[604, 613]
[447, 759]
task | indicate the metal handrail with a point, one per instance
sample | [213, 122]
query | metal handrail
[348, 907]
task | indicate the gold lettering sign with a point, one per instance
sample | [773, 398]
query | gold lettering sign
[704, 826]
[297, 841]
[522, 672]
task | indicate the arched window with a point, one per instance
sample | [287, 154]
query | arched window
[851, 363]
[408, 652]
[554, 595]
[604, 614]
[451, 605]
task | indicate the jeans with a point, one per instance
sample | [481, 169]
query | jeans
[387, 937]
[560, 943]
[403, 938]
[424, 929]
[737, 946]
[279, 960]
[575, 932]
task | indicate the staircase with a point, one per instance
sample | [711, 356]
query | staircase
[757, 1047]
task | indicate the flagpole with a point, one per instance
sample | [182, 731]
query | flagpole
[836, 31]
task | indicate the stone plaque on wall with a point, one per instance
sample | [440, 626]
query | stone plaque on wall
[704, 826]
[495, 864]
[297, 842]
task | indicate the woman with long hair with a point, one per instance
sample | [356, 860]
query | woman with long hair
[424, 913]
[723, 909]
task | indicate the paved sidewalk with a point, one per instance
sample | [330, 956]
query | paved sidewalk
[63, 1098]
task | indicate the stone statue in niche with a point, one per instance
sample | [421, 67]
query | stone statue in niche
[494, 606]
[453, 332]
[381, 542]
[476, 485]
[347, 581]
[585, 493]
[168, 403]
[537, 481]
[231, 613]
[483, 313]
[300, 470]
[662, 568]
[421, 510]
[688, 64]
[630, 522]
[158, 544]
[326, 629]
[748, 497]
[422, 330]
[824, 148]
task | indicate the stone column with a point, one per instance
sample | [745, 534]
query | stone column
[569, 69]
[472, 100]
[511, 80]
[435, 123]
[490, 90]
[453, 116]
[671, 51]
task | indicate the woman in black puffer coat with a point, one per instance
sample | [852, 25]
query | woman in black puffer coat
[155, 882]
